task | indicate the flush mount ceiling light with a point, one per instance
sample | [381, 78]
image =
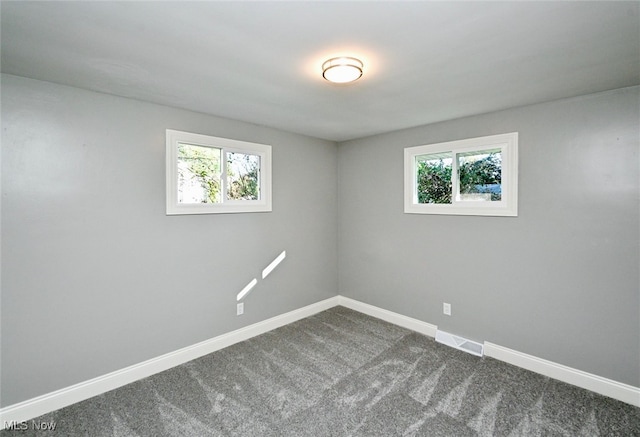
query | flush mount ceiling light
[342, 69]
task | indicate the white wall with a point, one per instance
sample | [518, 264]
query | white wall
[560, 281]
[95, 276]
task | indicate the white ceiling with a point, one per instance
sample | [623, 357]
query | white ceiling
[260, 62]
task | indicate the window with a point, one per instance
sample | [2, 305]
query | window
[478, 176]
[209, 175]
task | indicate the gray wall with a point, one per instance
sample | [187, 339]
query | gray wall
[95, 276]
[560, 281]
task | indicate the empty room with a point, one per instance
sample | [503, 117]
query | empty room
[315, 218]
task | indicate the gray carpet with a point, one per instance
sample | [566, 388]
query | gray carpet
[342, 373]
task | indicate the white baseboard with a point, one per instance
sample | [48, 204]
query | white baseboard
[607, 387]
[44, 404]
[389, 316]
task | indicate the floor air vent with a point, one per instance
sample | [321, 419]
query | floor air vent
[463, 344]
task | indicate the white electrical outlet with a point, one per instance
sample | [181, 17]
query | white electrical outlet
[240, 309]
[446, 308]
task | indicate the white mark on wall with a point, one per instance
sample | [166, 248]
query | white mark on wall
[274, 264]
[247, 289]
[267, 270]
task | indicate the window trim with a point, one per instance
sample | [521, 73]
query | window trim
[263, 204]
[508, 206]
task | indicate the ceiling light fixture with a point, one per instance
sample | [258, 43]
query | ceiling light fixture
[342, 69]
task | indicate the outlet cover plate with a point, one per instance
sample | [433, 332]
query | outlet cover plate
[446, 309]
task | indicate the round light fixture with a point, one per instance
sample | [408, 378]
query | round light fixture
[342, 69]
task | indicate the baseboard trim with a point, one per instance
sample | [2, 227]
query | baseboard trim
[44, 404]
[389, 316]
[604, 386]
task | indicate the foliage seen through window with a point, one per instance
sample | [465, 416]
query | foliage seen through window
[480, 177]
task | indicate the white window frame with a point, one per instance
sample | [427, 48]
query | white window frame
[508, 206]
[263, 204]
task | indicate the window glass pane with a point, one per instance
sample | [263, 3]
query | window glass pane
[243, 176]
[480, 175]
[199, 177]
[433, 173]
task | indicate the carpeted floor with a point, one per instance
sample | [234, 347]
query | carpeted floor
[342, 373]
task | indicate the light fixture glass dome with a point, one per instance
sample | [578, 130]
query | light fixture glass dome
[342, 69]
